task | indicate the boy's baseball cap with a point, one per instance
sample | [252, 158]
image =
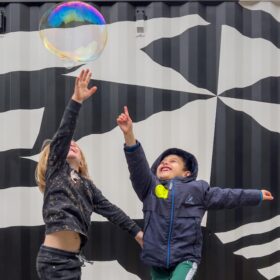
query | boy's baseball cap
[189, 159]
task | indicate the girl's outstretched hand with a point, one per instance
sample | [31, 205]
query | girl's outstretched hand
[266, 195]
[81, 91]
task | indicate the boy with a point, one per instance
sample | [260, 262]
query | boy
[174, 203]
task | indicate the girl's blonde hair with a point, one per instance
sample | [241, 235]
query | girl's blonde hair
[41, 167]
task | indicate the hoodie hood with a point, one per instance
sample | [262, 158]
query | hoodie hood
[189, 159]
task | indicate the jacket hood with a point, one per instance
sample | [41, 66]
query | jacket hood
[189, 159]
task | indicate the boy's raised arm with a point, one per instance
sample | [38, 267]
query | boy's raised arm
[140, 173]
[125, 123]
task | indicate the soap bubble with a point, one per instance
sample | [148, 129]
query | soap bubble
[74, 31]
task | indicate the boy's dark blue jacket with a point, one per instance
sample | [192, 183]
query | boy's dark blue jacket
[173, 209]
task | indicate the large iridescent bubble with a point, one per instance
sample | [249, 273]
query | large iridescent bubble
[74, 31]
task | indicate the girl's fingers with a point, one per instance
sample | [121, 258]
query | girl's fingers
[88, 76]
[85, 73]
[77, 81]
[93, 90]
[81, 74]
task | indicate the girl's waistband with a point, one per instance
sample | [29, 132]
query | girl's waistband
[59, 251]
[79, 255]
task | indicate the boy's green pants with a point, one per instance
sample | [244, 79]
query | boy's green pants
[183, 271]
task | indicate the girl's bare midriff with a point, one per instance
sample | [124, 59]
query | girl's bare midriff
[64, 240]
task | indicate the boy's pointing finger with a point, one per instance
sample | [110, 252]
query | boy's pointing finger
[125, 109]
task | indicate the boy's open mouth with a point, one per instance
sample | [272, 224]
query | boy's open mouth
[165, 168]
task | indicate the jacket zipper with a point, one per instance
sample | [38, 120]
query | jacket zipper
[171, 222]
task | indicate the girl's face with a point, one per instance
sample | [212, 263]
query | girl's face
[172, 166]
[74, 153]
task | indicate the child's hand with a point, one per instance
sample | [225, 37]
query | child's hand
[266, 195]
[139, 238]
[81, 91]
[124, 121]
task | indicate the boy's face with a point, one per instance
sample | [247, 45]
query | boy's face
[172, 166]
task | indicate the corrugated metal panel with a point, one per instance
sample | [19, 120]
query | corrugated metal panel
[203, 76]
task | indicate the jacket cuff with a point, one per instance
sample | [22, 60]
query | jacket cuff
[131, 148]
[261, 198]
[133, 232]
[74, 105]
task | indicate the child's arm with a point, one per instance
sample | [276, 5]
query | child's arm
[104, 207]
[219, 198]
[140, 173]
[59, 146]
[125, 124]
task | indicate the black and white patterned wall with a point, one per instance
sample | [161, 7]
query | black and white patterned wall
[202, 76]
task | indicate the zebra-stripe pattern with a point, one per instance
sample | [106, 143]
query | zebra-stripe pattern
[200, 77]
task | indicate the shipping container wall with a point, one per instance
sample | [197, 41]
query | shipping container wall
[201, 76]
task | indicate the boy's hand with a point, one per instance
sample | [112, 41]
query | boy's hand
[139, 238]
[267, 195]
[124, 121]
[81, 91]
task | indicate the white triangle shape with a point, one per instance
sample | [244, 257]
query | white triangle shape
[244, 61]
[266, 114]
[20, 127]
